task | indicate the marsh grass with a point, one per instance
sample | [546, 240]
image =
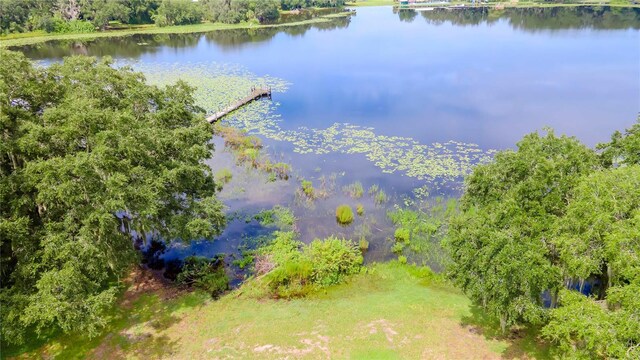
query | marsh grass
[360, 209]
[355, 190]
[247, 150]
[344, 214]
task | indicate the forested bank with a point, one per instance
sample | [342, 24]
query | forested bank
[80, 16]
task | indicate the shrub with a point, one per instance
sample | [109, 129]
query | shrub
[397, 248]
[298, 269]
[307, 189]
[402, 235]
[360, 209]
[73, 26]
[333, 259]
[402, 259]
[224, 176]
[344, 214]
[204, 273]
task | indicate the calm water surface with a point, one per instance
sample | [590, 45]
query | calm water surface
[476, 76]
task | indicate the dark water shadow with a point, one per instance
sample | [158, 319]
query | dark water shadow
[523, 342]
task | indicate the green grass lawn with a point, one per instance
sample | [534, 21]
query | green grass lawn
[390, 312]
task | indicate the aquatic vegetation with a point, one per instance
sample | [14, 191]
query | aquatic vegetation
[380, 197]
[363, 244]
[360, 209]
[307, 189]
[354, 190]
[373, 189]
[402, 235]
[224, 176]
[246, 260]
[280, 216]
[422, 229]
[219, 84]
[344, 214]
[397, 248]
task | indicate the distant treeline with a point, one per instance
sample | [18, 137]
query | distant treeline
[65, 16]
[533, 19]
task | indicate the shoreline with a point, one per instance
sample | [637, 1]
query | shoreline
[24, 39]
[150, 29]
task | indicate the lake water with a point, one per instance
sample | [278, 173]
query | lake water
[406, 100]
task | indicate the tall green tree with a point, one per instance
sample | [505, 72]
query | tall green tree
[624, 148]
[501, 242]
[599, 238]
[90, 154]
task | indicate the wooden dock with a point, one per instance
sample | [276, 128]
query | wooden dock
[256, 93]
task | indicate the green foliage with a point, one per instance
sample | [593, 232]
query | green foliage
[499, 243]
[623, 148]
[599, 237]
[397, 248]
[299, 4]
[344, 214]
[363, 244]
[332, 260]
[380, 197]
[402, 235]
[206, 274]
[235, 11]
[360, 209]
[402, 259]
[308, 190]
[266, 11]
[73, 26]
[300, 268]
[178, 12]
[224, 176]
[280, 216]
[583, 328]
[423, 228]
[102, 11]
[548, 215]
[88, 151]
[354, 190]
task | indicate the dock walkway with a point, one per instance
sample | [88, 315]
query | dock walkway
[256, 93]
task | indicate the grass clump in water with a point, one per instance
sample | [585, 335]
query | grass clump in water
[360, 209]
[402, 235]
[344, 214]
[308, 190]
[381, 197]
[354, 190]
[247, 150]
[363, 244]
[280, 216]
